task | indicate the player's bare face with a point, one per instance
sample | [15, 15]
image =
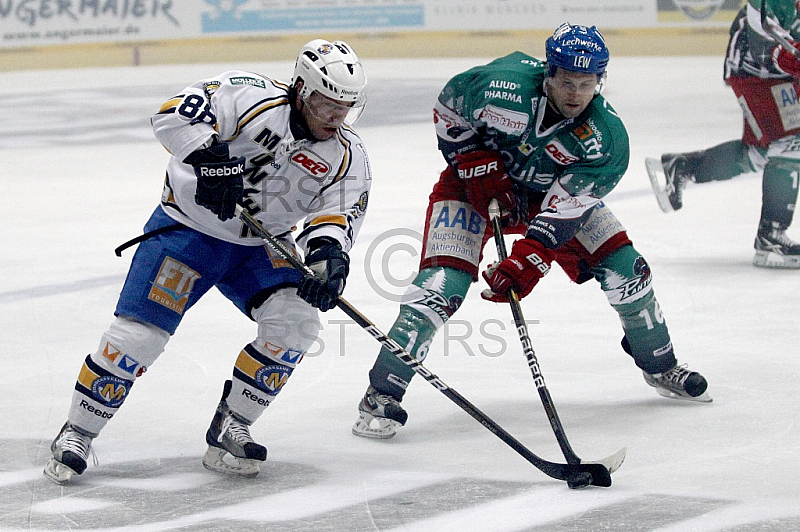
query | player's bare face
[571, 92]
[323, 115]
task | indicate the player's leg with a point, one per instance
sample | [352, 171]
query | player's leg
[454, 237]
[602, 250]
[287, 328]
[718, 163]
[626, 279]
[766, 104]
[163, 282]
[434, 295]
[723, 162]
[763, 108]
[126, 350]
[774, 249]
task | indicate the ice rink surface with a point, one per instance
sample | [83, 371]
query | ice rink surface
[81, 172]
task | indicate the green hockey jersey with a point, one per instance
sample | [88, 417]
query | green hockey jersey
[501, 106]
[750, 45]
[566, 164]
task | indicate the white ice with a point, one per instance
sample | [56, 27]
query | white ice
[81, 173]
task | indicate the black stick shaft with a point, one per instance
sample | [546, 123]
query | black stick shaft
[527, 346]
[600, 474]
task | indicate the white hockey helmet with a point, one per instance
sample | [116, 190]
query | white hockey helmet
[333, 70]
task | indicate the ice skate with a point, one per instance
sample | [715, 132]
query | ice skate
[230, 447]
[379, 415]
[774, 249]
[70, 451]
[668, 178]
[680, 383]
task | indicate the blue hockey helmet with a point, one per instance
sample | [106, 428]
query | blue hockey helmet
[577, 48]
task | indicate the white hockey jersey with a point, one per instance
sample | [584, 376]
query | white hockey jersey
[324, 184]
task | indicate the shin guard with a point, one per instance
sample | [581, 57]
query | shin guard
[626, 279]
[256, 381]
[779, 190]
[126, 350]
[429, 302]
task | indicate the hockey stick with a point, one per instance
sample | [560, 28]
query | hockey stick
[775, 34]
[597, 473]
[613, 462]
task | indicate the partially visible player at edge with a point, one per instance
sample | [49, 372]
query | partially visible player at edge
[765, 77]
[287, 154]
[539, 138]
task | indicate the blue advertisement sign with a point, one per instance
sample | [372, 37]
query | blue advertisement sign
[314, 18]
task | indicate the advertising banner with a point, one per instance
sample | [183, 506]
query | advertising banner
[26, 23]
[49, 22]
[699, 11]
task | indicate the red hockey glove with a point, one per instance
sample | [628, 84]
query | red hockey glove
[529, 261]
[786, 60]
[484, 176]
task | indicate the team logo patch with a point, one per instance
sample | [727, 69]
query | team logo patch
[311, 163]
[110, 352]
[173, 285]
[360, 207]
[640, 267]
[290, 356]
[633, 289]
[443, 307]
[556, 151]
[128, 365]
[210, 87]
[272, 378]
[451, 125]
[243, 80]
[110, 390]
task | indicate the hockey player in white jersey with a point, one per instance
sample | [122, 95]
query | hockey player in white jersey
[287, 154]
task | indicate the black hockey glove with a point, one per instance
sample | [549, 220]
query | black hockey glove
[219, 179]
[331, 266]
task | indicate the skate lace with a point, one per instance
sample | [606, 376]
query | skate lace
[779, 237]
[236, 430]
[382, 400]
[79, 444]
[675, 377]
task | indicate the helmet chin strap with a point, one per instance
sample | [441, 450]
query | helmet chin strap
[297, 122]
[601, 82]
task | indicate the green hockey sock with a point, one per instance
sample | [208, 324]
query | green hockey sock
[435, 294]
[625, 278]
[720, 163]
[779, 190]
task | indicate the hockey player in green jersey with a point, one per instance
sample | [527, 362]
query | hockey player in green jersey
[765, 77]
[538, 137]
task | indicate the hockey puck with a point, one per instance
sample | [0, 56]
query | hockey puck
[579, 480]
